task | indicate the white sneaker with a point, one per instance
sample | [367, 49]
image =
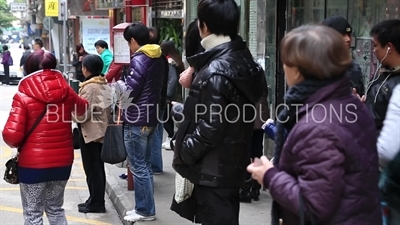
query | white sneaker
[136, 217]
[131, 212]
[167, 144]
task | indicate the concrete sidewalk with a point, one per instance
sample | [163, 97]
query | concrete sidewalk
[255, 213]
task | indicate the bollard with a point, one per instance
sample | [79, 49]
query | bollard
[75, 85]
[131, 186]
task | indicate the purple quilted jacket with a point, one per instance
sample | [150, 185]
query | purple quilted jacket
[330, 160]
[6, 57]
[144, 84]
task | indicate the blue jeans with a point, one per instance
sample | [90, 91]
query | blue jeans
[156, 146]
[138, 147]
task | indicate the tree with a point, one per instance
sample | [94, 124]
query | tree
[6, 18]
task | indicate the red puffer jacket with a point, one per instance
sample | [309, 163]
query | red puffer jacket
[50, 144]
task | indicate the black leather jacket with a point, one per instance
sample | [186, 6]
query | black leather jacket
[379, 94]
[212, 143]
[356, 78]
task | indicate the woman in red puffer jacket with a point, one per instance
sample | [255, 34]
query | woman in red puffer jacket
[46, 157]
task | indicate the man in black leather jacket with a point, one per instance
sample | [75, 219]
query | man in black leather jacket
[386, 41]
[342, 26]
[213, 142]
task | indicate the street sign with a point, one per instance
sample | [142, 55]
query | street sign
[51, 8]
[18, 7]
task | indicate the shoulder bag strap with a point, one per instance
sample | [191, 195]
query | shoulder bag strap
[32, 128]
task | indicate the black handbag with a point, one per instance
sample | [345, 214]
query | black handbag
[11, 173]
[75, 137]
[113, 150]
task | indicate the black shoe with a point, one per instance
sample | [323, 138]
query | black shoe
[245, 196]
[255, 190]
[84, 204]
[255, 193]
[91, 209]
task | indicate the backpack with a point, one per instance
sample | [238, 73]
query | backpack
[389, 184]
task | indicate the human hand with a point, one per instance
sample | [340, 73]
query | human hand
[269, 121]
[258, 168]
[362, 98]
[80, 58]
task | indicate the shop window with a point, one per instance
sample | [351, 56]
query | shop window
[136, 14]
[336, 7]
[302, 12]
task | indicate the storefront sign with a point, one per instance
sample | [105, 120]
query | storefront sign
[18, 6]
[170, 14]
[93, 30]
[51, 8]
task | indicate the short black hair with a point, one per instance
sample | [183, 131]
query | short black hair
[139, 32]
[93, 63]
[387, 31]
[154, 37]
[193, 40]
[5, 47]
[220, 16]
[27, 47]
[39, 42]
[101, 43]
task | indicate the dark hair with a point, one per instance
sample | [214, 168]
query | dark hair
[387, 31]
[39, 60]
[301, 48]
[5, 47]
[93, 64]
[139, 32]
[154, 37]
[168, 49]
[79, 47]
[27, 47]
[193, 40]
[101, 44]
[220, 16]
[38, 42]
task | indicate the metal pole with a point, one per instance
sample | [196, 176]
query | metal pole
[50, 34]
[65, 35]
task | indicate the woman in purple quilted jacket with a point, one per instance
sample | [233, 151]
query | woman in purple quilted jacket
[325, 170]
[7, 62]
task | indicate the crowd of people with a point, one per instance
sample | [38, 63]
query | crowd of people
[336, 140]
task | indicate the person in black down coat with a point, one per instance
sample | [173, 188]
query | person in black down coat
[213, 142]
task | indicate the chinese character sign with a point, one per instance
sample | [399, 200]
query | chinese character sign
[51, 8]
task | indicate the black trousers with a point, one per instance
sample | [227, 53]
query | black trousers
[217, 206]
[256, 151]
[169, 124]
[94, 170]
[6, 74]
